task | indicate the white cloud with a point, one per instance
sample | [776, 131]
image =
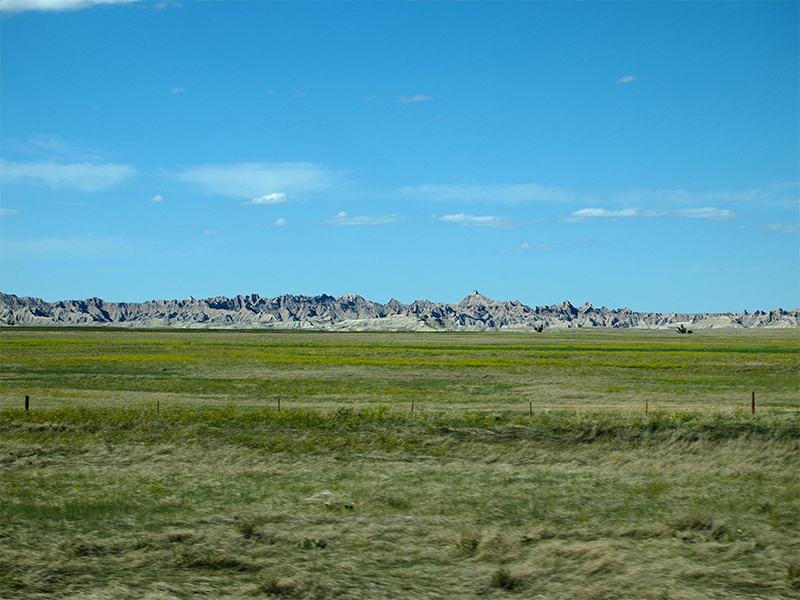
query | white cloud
[158, 198]
[89, 177]
[274, 198]
[167, 4]
[495, 192]
[7, 212]
[210, 232]
[16, 6]
[343, 219]
[625, 79]
[415, 98]
[280, 222]
[473, 221]
[783, 228]
[177, 90]
[249, 180]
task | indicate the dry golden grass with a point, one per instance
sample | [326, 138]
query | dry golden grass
[219, 495]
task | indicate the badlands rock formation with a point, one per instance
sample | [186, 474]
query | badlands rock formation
[476, 312]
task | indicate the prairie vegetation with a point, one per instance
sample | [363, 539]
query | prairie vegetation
[158, 465]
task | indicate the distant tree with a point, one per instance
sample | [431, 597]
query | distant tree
[538, 328]
[682, 329]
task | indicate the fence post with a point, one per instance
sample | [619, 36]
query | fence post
[27, 403]
[530, 405]
[646, 402]
[752, 403]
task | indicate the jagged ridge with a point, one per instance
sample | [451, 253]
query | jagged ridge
[476, 312]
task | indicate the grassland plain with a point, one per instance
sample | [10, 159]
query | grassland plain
[345, 493]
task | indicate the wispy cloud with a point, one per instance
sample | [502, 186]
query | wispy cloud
[251, 180]
[177, 90]
[274, 198]
[343, 219]
[210, 232]
[7, 212]
[473, 221]
[415, 98]
[529, 248]
[158, 198]
[602, 213]
[708, 212]
[52, 148]
[89, 177]
[625, 79]
[69, 246]
[783, 227]
[493, 192]
[280, 222]
[167, 4]
[16, 6]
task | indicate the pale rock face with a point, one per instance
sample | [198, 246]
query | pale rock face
[476, 312]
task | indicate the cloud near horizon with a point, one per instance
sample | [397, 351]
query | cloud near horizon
[343, 219]
[274, 198]
[249, 180]
[17, 6]
[783, 228]
[493, 192]
[7, 212]
[473, 221]
[89, 177]
[528, 248]
[625, 79]
[708, 212]
[158, 198]
[415, 98]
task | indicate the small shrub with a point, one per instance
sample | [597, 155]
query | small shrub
[504, 580]
[311, 543]
[246, 526]
[793, 574]
[278, 586]
[468, 543]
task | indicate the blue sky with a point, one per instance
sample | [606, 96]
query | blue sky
[625, 154]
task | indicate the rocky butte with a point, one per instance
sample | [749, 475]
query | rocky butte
[476, 312]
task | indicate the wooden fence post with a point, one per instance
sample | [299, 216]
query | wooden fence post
[752, 403]
[27, 403]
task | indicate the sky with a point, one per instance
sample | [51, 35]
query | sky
[628, 154]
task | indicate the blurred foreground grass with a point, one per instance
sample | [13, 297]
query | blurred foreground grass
[221, 495]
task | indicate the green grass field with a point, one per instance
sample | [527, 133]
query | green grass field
[156, 464]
